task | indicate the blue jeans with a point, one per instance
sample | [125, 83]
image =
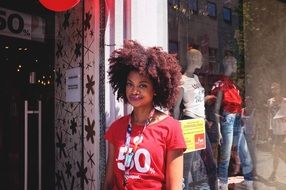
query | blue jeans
[232, 135]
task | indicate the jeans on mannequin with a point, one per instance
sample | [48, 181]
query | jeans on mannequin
[232, 135]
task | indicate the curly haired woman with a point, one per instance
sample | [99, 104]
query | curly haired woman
[145, 148]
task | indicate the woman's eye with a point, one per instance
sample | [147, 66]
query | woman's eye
[128, 84]
[142, 85]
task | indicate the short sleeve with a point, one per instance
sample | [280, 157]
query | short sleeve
[175, 138]
[116, 130]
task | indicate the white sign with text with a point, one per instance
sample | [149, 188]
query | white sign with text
[73, 85]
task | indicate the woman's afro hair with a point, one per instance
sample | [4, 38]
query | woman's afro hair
[161, 67]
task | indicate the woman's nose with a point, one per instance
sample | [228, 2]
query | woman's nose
[134, 90]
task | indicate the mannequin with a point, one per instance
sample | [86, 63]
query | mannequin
[228, 107]
[194, 61]
[192, 95]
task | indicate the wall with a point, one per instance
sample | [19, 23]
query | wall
[77, 123]
[80, 146]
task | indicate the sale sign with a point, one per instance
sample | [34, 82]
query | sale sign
[15, 24]
[194, 134]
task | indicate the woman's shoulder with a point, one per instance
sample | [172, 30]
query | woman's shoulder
[120, 120]
[167, 120]
[116, 129]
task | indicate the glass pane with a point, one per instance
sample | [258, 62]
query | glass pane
[250, 33]
[27, 74]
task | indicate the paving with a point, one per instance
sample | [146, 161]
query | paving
[264, 169]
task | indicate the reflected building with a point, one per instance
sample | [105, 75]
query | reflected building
[210, 26]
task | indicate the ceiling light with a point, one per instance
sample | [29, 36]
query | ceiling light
[20, 49]
[6, 47]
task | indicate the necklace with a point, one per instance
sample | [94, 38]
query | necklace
[129, 152]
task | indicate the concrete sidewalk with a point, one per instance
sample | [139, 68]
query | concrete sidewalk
[264, 169]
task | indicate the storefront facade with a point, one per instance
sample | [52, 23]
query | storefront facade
[56, 63]
[68, 152]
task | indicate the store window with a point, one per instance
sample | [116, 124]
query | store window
[244, 31]
[27, 57]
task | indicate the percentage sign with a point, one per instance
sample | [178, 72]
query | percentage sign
[26, 32]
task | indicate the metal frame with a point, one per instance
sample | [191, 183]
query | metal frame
[39, 113]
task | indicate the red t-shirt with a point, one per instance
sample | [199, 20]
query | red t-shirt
[231, 100]
[149, 162]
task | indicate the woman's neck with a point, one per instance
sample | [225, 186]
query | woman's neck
[140, 115]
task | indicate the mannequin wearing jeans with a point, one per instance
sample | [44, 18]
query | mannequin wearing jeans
[228, 107]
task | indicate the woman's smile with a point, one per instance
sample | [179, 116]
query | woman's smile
[135, 97]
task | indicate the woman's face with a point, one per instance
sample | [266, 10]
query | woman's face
[139, 90]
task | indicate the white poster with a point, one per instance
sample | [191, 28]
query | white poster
[73, 85]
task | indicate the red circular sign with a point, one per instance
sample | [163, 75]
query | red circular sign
[59, 5]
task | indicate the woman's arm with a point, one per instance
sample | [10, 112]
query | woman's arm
[174, 170]
[108, 183]
[176, 112]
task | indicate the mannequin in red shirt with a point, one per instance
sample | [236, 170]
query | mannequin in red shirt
[228, 107]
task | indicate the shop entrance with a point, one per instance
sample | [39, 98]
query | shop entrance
[26, 134]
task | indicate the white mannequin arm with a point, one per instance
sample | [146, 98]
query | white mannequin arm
[178, 103]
